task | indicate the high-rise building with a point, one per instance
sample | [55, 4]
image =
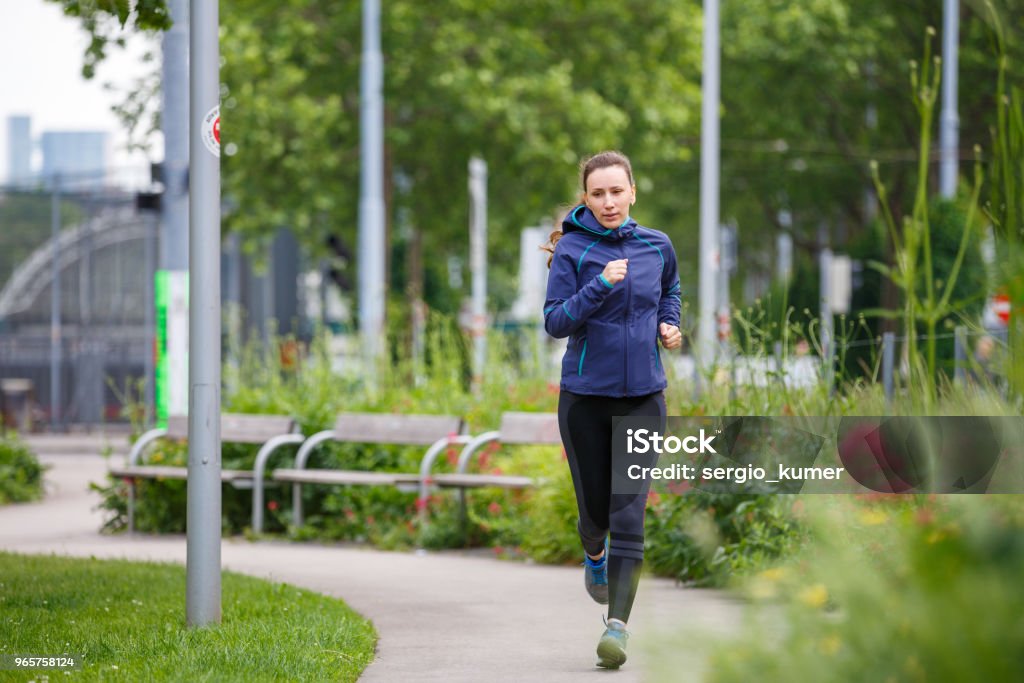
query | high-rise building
[19, 150]
[79, 157]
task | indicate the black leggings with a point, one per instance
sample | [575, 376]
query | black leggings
[585, 423]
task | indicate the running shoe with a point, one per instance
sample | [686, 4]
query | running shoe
[611, 649]
[595, 578]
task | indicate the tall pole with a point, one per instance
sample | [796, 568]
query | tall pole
[171, 379]
[55, 328]
[149, 257]
[949, 134]
[709, 146]
[371, 195]
[827, 330]
[174, 120]
[478, 265]
[202, 593]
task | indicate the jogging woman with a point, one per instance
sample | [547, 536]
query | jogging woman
[613, 290]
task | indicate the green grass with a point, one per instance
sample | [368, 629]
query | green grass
[128, 620]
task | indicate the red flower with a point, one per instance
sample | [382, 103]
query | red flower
[678, 487]
[272, 505]
[494, 508]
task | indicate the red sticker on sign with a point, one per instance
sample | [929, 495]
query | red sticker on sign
[211, 131]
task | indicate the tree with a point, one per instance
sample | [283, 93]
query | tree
[811, 91]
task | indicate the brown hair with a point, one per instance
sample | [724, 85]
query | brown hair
[588, 166]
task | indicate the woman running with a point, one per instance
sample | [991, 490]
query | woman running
[614, 291]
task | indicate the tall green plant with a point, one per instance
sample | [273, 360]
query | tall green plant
[913, 270]
[1005, 206]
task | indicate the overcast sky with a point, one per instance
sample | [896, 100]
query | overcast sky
[40, 76]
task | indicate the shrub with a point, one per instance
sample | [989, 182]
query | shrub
[708, 538]
[21, 475]
[895, 588]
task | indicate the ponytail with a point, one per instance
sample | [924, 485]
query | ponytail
[553, 238]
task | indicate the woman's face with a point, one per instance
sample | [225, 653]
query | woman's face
[609, 195]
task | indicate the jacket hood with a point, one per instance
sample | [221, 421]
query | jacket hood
[582, 219]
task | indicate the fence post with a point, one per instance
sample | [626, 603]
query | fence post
[959, 353]
[56, 342]
[888, 342]
[730, 355]
[777, 352]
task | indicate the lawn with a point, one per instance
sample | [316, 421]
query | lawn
[127, 620]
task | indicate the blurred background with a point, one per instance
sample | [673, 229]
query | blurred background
[811, 94]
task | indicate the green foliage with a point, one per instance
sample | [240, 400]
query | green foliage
[517, 85]
[883, 593]
[710, 538]
[105, 21]
[21, 475]
[926, 297]
[967, 298]
[128, 620]
[811, 92]
[1004, 206]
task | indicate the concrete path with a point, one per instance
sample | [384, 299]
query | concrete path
[441, 616]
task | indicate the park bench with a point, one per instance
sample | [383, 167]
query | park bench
[522, 429]
[270, 431]
[436, 432]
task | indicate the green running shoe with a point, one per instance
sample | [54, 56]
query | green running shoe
[611, 649]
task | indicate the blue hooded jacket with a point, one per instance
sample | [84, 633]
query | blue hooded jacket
[612, 329]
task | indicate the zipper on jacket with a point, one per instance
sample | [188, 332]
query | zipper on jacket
[625, 328]
[583, 354]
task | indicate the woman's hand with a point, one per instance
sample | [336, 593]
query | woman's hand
[671, 337]
[615, 271]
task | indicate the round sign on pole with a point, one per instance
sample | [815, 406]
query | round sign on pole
[1001, 307]
[210, 131]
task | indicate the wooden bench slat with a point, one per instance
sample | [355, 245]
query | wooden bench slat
[530, 428]
[237, 427]
[481, 480]
[410, 430]
[357, 477]
[164, 472]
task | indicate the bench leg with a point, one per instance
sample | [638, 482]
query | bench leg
[297, 504]
[463, 514]
[131, 506]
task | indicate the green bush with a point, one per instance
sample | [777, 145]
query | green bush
[21, 475]
[895, 588]
[708, 538]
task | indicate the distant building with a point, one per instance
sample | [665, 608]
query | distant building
[80, 157]
[19, 150]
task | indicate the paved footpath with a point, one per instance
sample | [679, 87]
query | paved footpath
[441, 616]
